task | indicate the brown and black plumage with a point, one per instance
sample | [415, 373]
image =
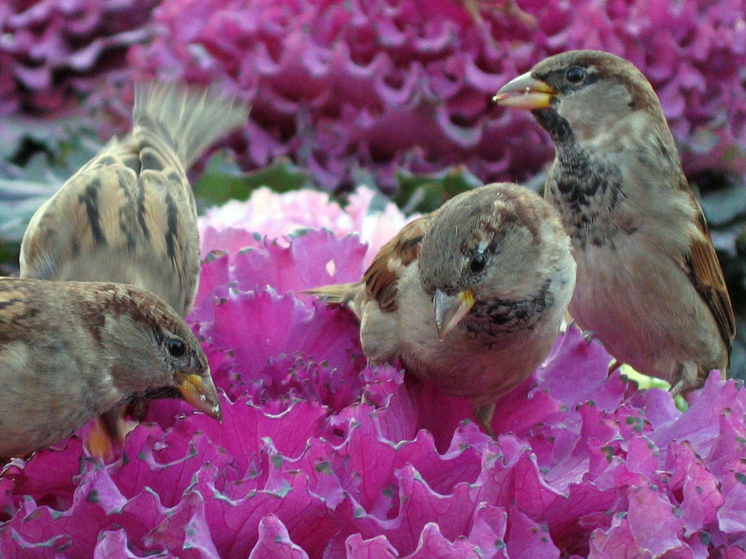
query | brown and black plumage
[129, 215]
[649, 282]
[469, 297]
[72, 350]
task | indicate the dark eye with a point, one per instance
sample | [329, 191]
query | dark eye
[477, 263]
[575, 75]
[176, 347]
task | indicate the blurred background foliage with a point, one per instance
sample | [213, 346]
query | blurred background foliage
[393, 94]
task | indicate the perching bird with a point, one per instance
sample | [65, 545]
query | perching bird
[129, 215]
[72, 350]
[649, 282]
[469, 297]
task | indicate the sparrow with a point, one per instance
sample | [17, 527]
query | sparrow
[649, 283]
[70, 351]
[470, 297]
[129, 215]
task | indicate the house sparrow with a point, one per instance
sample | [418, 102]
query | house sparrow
[129, 215]
[469, 297]
[649, 282]
[72, 350]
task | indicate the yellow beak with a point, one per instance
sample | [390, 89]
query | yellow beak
[525, 92]
[200, 393]
[450, 309]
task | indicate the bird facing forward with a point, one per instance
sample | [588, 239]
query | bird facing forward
[469, 297]
[649, 282]
[72, 350]
[129, 215]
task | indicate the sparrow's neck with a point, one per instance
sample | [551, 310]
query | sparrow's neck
[586, 185]
[588, 190]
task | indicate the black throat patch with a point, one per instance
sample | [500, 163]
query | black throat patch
[498, 317]
[587, 191]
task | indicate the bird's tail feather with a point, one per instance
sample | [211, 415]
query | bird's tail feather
[192, 118]
[336, 294]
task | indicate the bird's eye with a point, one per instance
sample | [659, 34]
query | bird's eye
[477, 263]
[176, 347]
[575, 75]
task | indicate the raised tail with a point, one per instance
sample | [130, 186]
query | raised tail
[191, 118]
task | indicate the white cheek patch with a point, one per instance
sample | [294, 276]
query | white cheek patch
[638, 125]
[593, 110]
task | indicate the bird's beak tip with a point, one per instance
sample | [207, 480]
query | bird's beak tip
[525, 92]
[199, 391]
[451, 309]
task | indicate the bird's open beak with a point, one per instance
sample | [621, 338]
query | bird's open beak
[199, 391]
[525, 92]
[450, 309]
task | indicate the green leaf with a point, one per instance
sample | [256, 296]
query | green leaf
[425, 193]
[222, 179]
[21, 137]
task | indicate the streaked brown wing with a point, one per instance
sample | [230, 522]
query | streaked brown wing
[706, 275]
[382, 276]
[20, 304]
[82, 217]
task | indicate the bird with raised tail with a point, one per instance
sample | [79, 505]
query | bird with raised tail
[70, 351]
[470, 297]
[129, 215]
[649, 283]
